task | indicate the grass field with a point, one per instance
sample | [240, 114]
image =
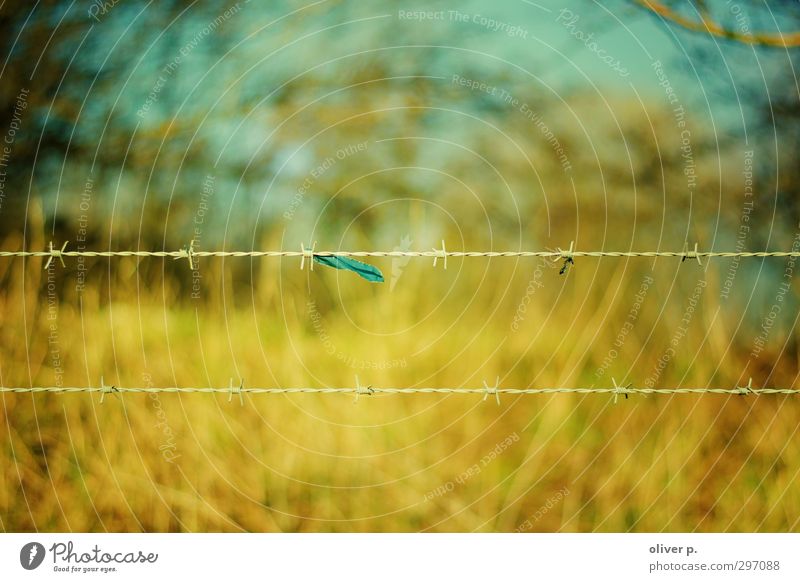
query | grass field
[393, 463]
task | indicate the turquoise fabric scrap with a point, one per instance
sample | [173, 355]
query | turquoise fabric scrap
[363, 270]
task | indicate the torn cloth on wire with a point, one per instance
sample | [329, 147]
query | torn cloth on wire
[368, 272]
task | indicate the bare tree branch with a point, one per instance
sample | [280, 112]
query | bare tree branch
[707, 24]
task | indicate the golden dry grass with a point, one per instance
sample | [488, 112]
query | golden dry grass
[322, 463]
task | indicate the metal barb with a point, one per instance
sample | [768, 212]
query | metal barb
[359, 390]
[106, 389]
[187, 253]
[236, 390]
[440, 254]
[307, 254]
[687, 254]
[54, 253]
[492, 390]
[620, 390]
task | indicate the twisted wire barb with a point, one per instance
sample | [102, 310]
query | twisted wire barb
[360, 390]
[190, 253]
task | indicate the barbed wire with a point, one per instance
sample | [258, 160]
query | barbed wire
[359, 390]
[308, 253]
[190, 254]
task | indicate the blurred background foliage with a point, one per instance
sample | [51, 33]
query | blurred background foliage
[243, 125]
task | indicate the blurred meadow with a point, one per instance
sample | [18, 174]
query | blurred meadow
[378, 127]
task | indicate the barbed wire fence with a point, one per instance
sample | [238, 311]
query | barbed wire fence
[495, 391]
[189, 253]
[307, 254]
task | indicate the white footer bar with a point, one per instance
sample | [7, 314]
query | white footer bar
[401, 557]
